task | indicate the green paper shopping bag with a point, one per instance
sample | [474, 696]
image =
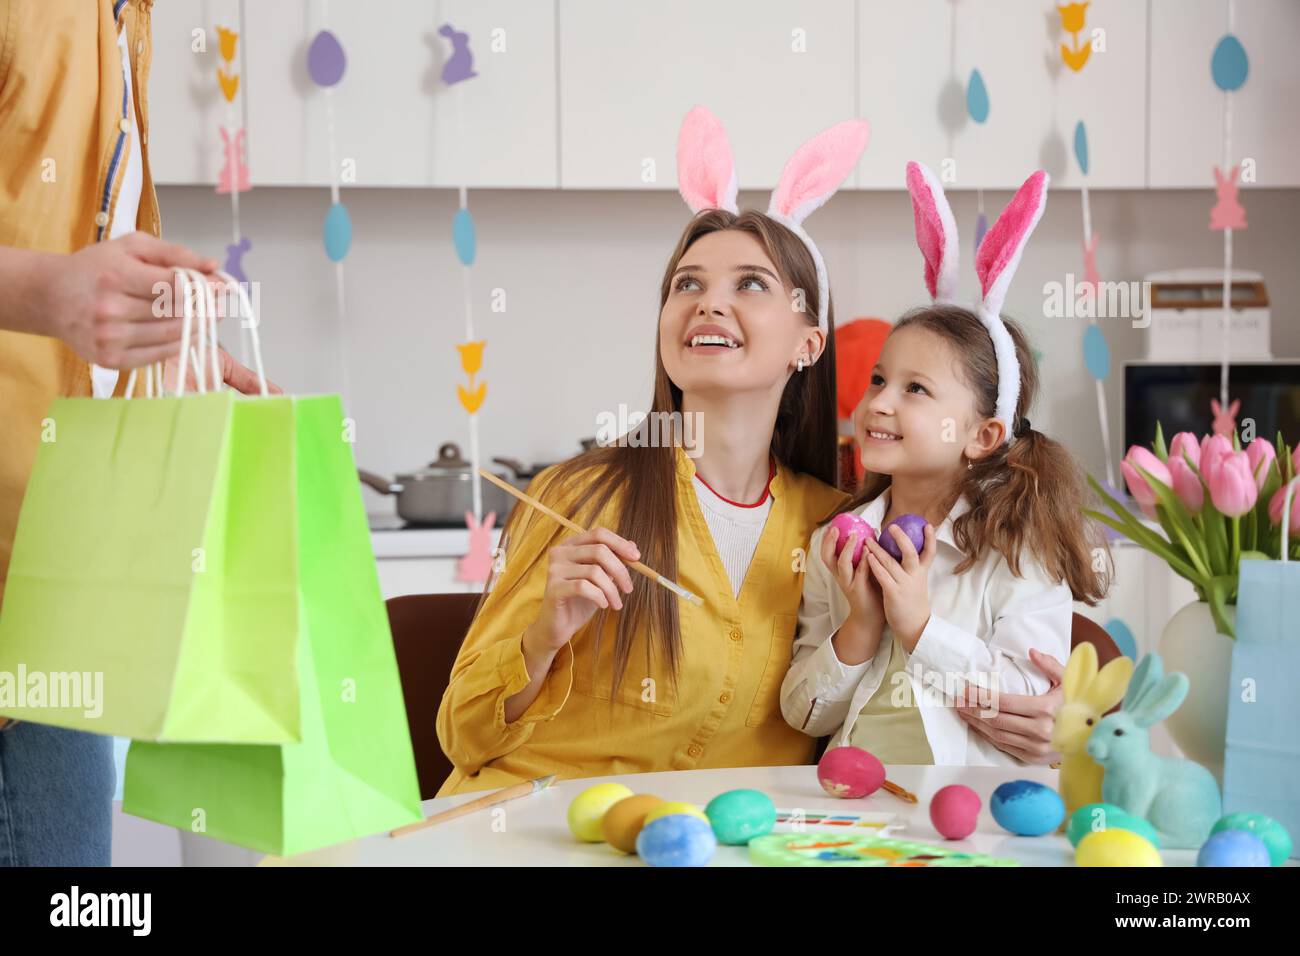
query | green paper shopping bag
[153, 588]
[353, 773]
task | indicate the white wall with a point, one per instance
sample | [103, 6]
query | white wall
[581, 272]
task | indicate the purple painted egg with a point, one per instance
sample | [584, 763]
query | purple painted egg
[913, 526]
[847, 524]
[325, 59]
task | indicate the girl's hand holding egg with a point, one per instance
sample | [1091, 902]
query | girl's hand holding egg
[842, 554]
[904, 586]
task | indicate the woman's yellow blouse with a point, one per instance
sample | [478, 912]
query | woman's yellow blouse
[725, 709]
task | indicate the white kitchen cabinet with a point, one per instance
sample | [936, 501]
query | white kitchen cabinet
[1186, 129]
[393, 116]
[774, 72]
[915, 62]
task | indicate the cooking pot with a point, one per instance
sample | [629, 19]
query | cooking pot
[440, 494]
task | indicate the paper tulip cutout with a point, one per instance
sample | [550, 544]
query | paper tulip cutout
[977, 97]
[227, 40]
[338, 232]
[229, 85]
[1227, 212]
[460, 65]
[1072, 22]
[325, 59]
[472, 400]
[471, 357]
[1229, 64]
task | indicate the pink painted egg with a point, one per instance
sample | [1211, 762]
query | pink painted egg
[850, 772]
[954, 810]
[846, 524]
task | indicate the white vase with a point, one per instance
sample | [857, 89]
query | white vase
[1192, 644]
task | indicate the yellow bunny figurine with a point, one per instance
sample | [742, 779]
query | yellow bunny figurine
[1088, 695]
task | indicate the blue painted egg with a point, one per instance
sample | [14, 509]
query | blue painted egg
[464, 237]
[1233, 848]
[1027, 808]
[1266, 828]
[1229, 65]
[1095, 817]
[338, 232]
[679, 839]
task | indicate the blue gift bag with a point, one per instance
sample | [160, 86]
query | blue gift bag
[1261, 767]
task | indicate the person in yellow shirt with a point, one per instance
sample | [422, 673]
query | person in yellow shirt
[577, 667]
[80, 258]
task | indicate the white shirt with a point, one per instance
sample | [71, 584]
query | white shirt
[126, 206]
[736, 530]
[982, 624]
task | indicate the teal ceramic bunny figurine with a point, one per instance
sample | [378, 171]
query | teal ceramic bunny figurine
[1180, 798]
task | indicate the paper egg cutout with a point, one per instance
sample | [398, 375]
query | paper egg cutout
[1096, 817]
[1096, 353]
[850, 772]
[338, 232]
[623, 821]
[739, 816]
[677, 840]
[1229, 65]
[325, 59]
[1081, 146]
[1122, 636]
[846, 524]
[913, 526]
[977, 97]
[464, 237]
[1273, 834]
[1115, 848]
[1233, 848]
[1026, 808]
[587, 811]
[981, 227]
[954, 811]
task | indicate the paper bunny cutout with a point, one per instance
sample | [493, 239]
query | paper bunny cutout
[1225, 419]
[477, 564]
[706, 178]
[234, 174]
[995, 263]
[1227, 212]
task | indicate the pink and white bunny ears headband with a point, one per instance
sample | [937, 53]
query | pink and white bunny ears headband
[995, 263]
[706, 178]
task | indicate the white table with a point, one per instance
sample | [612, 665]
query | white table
[533, 831]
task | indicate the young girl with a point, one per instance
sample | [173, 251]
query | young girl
[886, 652]
[575, 666]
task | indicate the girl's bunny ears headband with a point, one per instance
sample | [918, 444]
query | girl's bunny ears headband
[706, 178]
[995, 263]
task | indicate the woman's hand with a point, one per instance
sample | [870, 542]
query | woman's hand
[583, 573]
[905, 586]
[1022, 723]
[239, 377]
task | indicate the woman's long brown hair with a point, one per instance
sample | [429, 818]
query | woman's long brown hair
[644, 478]
[1028, 494]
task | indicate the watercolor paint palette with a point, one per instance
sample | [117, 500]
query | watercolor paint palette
[796, 821]
[860, 848]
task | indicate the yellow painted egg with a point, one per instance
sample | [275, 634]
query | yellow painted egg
[669, 807]
[1116, 848]
[588, 809]
[624, 820]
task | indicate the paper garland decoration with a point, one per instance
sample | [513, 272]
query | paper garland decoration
[1072, 21]
[326, 64]
[1229, 67]
[234, 177]
[476, 565]
[977, 105]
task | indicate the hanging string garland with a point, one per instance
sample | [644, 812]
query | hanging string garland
[977, 105]
[234, 177]
[326, 64]
[1229, 67]
[476, 565]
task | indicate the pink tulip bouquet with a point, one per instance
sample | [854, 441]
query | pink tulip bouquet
[1217, 503]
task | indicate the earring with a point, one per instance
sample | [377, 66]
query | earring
[969, 466]
[800, 367]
